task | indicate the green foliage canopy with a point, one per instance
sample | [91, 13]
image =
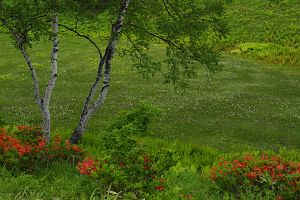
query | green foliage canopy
[189, 31]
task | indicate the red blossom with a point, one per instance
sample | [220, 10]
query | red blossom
[252, 175]
[257, 169]
[242, 165]
[76, 148]
[146, 159]
[42, 144]
[275, 158]
[265, 157]
[280, 167]
[87, 166]
[160, 188]
[22, 128]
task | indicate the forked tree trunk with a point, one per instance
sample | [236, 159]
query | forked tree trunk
[105, 61]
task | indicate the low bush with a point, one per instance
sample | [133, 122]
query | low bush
[268, 172]
[127, 166]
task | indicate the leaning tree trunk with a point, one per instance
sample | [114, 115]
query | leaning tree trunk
[105, 61]
[43, 103]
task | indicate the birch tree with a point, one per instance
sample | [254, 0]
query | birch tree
[27, 21]
[188, 29]
[105, 62]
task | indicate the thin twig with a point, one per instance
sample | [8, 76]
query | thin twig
[156, 36]
[168, 11]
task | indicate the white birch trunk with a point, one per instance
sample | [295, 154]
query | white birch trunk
[43, 103]
[105, 61]
[36, 90]
[52, 80]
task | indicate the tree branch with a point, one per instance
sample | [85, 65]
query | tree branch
[156, 36]
[29, 63]
[173, 8]
[84, 36]
[167, 9]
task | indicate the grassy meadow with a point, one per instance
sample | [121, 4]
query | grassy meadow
[251, 105]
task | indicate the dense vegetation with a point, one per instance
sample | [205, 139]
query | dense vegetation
[234, 135]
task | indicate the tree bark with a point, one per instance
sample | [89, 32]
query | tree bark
[105, 61]
[43, 103]
[36, 90]
[52, 80]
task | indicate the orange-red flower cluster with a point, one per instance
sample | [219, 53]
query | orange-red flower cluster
[9, 143]
[87, 166]
[281, 173]
[28, 142]
[70, 146]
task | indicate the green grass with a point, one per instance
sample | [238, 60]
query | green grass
[265, 21]
[61, 181]
[249, 105]
[268, 29]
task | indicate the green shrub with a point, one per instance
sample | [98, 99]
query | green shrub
[127, 166]
[269, 52]
[138, 117]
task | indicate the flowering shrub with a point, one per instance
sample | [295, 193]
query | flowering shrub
[262, 172]
[127, 166]
[137, 175]
[24, 148]
[141, 175]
